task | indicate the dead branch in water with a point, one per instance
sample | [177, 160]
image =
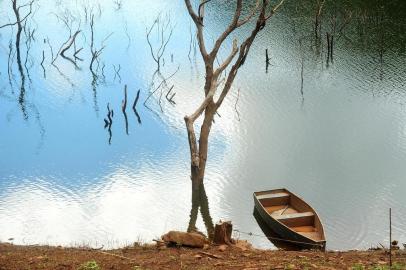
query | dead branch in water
[267, 60]
[236, 103]
[134, 106]
[109, 121]
[164, 81]
[42, 63]
[317, 19]
[338, 23]
[123, 109]
[117, 72]
[170, 99]
[136, 99]
[164, 28]
[19, 21]
[70, 43]
[68, 20]
[124, 102]
[9, 67]
[118, 3]
[95, 53]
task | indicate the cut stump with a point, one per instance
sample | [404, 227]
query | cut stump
[222, 233]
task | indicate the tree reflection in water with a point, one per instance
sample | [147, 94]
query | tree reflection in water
[200, 200]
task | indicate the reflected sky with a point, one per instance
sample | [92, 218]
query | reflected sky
[341, 147]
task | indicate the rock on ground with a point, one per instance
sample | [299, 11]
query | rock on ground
[185, 239]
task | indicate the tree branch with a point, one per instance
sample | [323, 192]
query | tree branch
[226, 62]
[274, 9]
[249, 17]
[17, 10]
[199, 25]
[201, 9]
[233, 25]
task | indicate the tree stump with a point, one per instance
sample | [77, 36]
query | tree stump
[222, 233]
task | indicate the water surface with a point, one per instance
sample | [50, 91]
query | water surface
[338, 140]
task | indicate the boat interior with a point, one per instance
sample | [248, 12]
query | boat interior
[292, 212]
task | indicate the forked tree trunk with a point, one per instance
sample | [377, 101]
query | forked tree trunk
[235, 59]
[198, 172]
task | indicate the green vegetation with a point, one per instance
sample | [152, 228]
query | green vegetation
[90, 265]
[395, 266]
[139, 268]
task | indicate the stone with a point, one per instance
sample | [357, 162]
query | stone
[185, 239]
[243, 245]
[222, 248]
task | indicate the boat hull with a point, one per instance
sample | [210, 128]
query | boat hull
[285, 233]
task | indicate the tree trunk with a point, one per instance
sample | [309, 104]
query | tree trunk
[197, 167]
[199, 148]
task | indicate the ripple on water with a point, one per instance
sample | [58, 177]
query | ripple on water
[340, 145]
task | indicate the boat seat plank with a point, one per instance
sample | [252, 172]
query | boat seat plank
[296, 219]
[293, 215]
[280, 210]
[273, 199]
[273, 195]
[304, 229]
[272, 209]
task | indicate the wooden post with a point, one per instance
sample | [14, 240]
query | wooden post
[390, 238]
[222, 233]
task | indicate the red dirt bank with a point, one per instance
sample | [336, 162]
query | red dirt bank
[149, 257]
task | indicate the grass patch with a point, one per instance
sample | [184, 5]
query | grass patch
[395, 266]
[90, 265]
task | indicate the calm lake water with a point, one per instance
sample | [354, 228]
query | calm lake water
[340, 142]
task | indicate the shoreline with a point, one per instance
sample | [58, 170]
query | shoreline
[151, 256]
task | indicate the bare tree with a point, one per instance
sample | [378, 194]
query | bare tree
[20, 22]
[339, 21]
[259, 14]
[317, 18]
[164, 28]
[118, 3]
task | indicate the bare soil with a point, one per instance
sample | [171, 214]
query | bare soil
[14, 257]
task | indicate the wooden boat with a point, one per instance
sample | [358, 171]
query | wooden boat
[291, 218]
[272, 236]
